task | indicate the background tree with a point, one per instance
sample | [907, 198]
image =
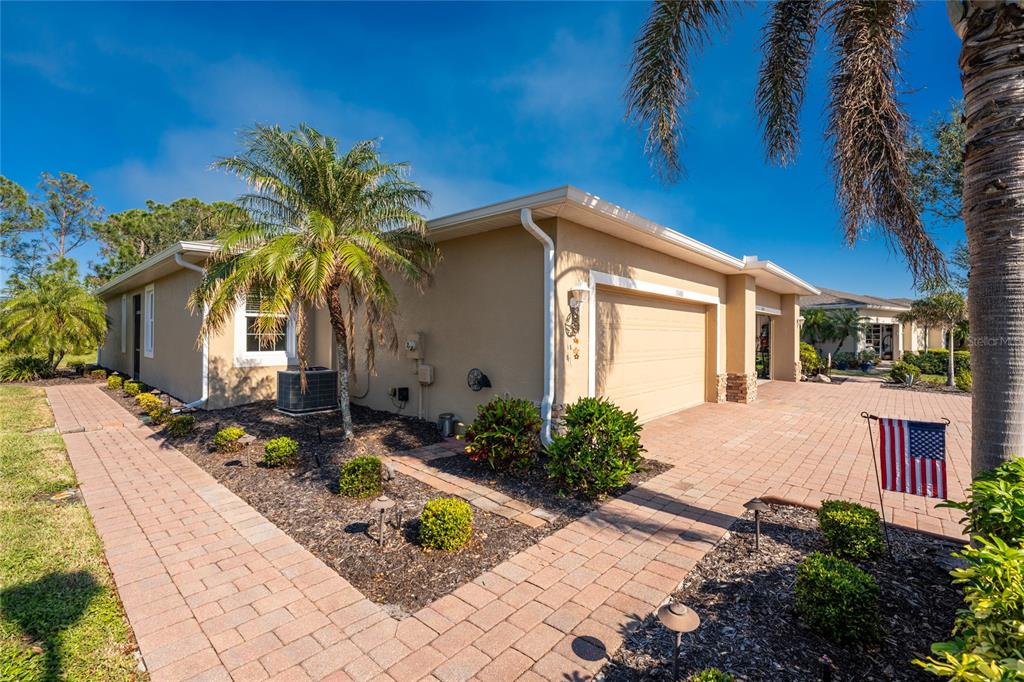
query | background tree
[944, 309]
[844, 323]
[58, 221]
[131, 236]
[867, 132]
[18, 217]
[325, 229]
[817, 328]
[51, 313]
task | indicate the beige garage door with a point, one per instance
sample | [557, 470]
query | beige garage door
[649, 352]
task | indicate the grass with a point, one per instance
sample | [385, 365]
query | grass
[857, 373]
[60, 618]
[87, 358]
[937, 379]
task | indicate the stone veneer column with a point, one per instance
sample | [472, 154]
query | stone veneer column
[741, 379]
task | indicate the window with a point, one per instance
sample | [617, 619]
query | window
[149, 305]
[253, 349]
[124, 322]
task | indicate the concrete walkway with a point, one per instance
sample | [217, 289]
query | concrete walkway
[215, 591]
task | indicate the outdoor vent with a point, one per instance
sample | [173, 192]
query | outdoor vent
[321, 390]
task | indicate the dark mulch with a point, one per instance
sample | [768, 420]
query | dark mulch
[750, 627]
[302, 500]
[62, 377]
[925, 387]
[535, 488]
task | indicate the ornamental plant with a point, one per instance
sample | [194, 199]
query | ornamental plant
[810, 363]
[900, 370]
[100, 374]
[446, 524]
[837, 599]
[964, 380]
[598, 448]
[278, 451]
[179, 425]
[710, 675]
[133, 388]
[153, 406]
[114, 381]
[995, 504]
[852, 531]
[505, 434]
[226, 440]
[360, 477]
[24, 368]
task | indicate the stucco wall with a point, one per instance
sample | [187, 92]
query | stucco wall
[768, 299]
[483, 309]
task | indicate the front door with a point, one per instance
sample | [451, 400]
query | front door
[763, 347]
[136, 334]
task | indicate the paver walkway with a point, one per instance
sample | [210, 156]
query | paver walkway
[215, 591]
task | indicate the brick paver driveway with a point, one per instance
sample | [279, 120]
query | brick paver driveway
[214, 591]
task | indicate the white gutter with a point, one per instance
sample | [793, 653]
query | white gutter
[526, 218]
[206, 340]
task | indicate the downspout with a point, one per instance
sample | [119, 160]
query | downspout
[206, 342]
[526, 218]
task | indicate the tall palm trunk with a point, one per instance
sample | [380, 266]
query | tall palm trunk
[992, 72]
[341, 344]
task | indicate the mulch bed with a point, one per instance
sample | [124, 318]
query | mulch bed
[925, 387]
[750, 627]
[62, 377]
[535, 488]
[302, 500]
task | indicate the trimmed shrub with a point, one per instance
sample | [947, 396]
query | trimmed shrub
[446, 523]
[964, 380]
[24, 368]
[133, 388]
[995, 503]
[936, 360]
[153, 406]
[100, 374]
[114, 381]
[360, 477]
[226, 439]
[710, 675]
[868, 357]
[900, 370]
[179, 425]
[844, 360]
[989, 632]
[598, 449]
[837, 599]
[505, 434]
[280, 451]
[810, 363]
[851, 530]
[77, 367]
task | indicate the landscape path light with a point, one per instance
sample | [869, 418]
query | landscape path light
[381, 505]
[758, 505]
[678, 618]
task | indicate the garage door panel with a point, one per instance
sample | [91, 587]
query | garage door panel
[650, 352]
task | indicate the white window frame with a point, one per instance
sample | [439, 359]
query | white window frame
[124, 323]
[263, 358]
[148, 320]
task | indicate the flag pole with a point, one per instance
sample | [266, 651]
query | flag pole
[878, 480]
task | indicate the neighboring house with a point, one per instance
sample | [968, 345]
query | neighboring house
[882, 330]
[640, 313]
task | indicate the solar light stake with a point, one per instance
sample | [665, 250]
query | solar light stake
[758, 505]
[381, 505]
[678, 618]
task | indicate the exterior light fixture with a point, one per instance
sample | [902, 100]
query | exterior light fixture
[381, 505]
[578, 295]
[758, 505]
[678, 618]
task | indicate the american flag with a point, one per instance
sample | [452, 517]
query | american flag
[913, 457]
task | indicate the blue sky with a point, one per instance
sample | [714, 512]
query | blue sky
[487, 101]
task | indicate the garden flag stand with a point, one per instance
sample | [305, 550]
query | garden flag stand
[911, 458]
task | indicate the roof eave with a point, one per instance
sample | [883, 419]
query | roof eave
[178, 247]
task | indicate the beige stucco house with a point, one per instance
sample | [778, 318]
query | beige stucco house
[552, 296]
[883, 331]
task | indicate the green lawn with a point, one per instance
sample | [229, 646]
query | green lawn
[87, 358]
[938, 379]
[60, 618]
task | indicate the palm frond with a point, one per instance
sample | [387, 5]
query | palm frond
[659, 80]
[868, 131]
[787, 47]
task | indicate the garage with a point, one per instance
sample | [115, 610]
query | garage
[650, 352]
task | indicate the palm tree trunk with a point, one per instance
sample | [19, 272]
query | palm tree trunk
[992, 73]
[341, 344]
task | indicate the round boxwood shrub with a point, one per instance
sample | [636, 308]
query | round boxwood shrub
[179, 425]
[446, 523]
[100, 374]
[360, 477]
[114, 381]
[598, 449]
[505, 434]
[900, 370]
[280, 451]
[133, 388]
[226, 440]
[851, 530]
[837, 599]
[153, 406]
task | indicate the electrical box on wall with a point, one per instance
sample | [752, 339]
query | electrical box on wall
[425, 374]
[400, 393]
[414, 346]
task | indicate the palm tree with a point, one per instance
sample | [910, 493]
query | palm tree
[867, 130]
[844, 323]
[318, 229]
[816, 328]
[945, 309]
[53, 314]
